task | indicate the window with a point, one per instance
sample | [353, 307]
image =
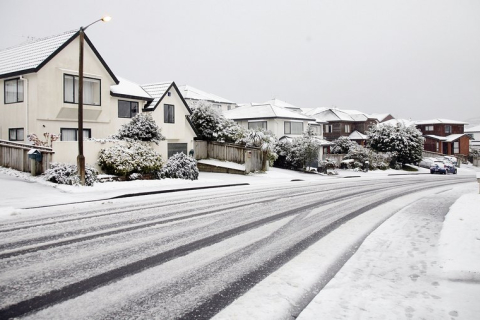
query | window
[328, 128]
[127, 109]
[428, 128]
[437, 147]
[448, 128]
[257, 125]
[168, 113]
[229, 107]
[169, 94]
[293, 127]
[217, 107]
[91, 90]
[71, 134]
[15, 134]
[13, 91]
[456, 147]
[174, 148]
[347, 128]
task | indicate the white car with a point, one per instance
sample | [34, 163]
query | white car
[426, 162]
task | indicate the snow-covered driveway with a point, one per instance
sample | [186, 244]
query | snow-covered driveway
[172, 256]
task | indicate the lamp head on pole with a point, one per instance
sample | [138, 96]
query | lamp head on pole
[106, 18]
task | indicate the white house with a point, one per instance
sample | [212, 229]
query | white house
[40, 94]
[474, 133]
[193, 95]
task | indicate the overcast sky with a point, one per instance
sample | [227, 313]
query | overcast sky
[412, 58]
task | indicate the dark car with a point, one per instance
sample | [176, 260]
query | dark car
[442, 167]
[438, 167]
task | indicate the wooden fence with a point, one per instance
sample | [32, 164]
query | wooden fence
[15, 155]
[251, 157]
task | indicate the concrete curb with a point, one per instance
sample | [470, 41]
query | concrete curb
[130, 195]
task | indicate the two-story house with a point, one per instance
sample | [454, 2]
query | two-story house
[444, 136]
[39, 82]
[343, 123]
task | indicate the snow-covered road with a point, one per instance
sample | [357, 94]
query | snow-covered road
[173, 256]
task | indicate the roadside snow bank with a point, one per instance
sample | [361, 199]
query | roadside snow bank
[459, 243]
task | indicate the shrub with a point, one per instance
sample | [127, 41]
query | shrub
[211, 125]
[142, 127]
[342, 145]
[131, 158]
[64, 173]
[179, 166]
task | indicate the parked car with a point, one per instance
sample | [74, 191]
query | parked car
[443, 167]
[438, 167]
[426, 163]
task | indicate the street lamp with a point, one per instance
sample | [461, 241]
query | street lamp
[81, 157]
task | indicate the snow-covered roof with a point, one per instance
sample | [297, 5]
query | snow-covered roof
[30, 55]
[379, 116]
[395, 122]
[322, 142]
[333, 115]
[440, 121]
[189, 92]
[312, 111]
[263, 111]
[279, 103]
[449, 138]
[473, 129]
[156, 91]
[128, 88]
[355, 135]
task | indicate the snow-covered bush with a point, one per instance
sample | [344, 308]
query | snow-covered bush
[376, 160]
[142, 127]
[64, 173]
[124, 160]
[211, 124]
[342, 145]
[304, 151]
[404, 142]
[179, 166]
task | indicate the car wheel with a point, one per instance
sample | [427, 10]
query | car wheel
[431, 172]
[455, 172]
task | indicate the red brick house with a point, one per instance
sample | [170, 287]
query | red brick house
[444, 136]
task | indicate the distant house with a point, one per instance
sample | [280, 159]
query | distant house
[279, 121]
[474, 134]
[444, 136]
[193, 95]
[40, 95]
[381, 117]
[342, 123]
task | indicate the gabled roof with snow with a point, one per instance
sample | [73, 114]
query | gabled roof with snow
[189, 92]
[379, 116]
[312, 111]
[473, 129]
[263, 111]
[157, 91]
[333, 115]
[355, 135]
[440, 121]
[32, 56]
[129, 90]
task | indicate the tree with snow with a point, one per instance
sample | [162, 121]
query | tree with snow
[404, 142]
[304, 150]
[342, 145]
[265, 140]
[142, 127]
[179, 166]
[211, 124]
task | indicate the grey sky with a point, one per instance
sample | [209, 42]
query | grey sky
[412, 58]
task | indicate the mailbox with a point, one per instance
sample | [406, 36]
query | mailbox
[34, 154]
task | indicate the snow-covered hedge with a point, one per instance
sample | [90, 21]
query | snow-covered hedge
[64, 173]
[134, 157]
[376, 160]
[179, 166]
[211, 124]
[142, 127]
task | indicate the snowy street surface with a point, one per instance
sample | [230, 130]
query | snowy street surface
[320, 248]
